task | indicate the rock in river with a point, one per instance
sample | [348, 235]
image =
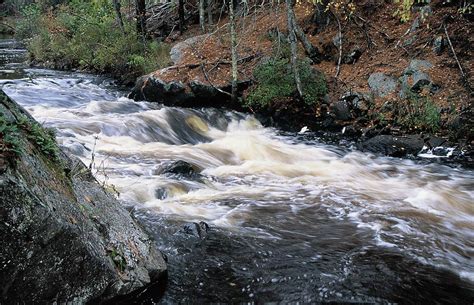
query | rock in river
[64, 238]
[180, 168]
[395, 146]
[400, 146]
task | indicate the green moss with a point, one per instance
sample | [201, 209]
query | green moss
[11, 134]
[10, 138]
[43, 138]
[118, 259]
[275, 81]
[381, 118]
[314, 83]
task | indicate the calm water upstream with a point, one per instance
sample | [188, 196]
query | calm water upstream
[291, 218]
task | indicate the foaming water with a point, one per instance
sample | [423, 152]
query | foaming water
[290, 221]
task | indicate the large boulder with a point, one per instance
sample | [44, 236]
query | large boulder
[154, 89]
[177, 51]
[381, 84]
[395, 146]
[194, 93]
[416, 77]
[400, 146]
[194, 229]
[165, 87]
[341, 110]
[206, 93]
[64, 238]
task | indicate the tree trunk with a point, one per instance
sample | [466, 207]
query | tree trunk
[294, 50]
[209, 13]
[119, 15]
[140, 11]
[202, 17]
[181, 15]
[310, 50]
[233, 35]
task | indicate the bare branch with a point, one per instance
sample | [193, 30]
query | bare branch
[210, 83]
[338, 69]
[454, 53]
[8, 26]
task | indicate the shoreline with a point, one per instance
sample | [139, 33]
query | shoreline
[292, 116]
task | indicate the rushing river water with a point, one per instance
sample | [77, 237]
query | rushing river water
[291, 218]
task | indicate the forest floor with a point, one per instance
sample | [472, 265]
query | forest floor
[389, 50]
[386, 46]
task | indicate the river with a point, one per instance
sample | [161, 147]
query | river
[291, 219]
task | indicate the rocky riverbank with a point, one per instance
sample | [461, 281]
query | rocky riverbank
[392, 87]
[354, 115]
[64, 238]
[399, 91]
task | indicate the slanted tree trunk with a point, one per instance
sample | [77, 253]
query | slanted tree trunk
[310, 50]
[233, 35]
[181, 15]
[202, 17]
[119, 15]
[293, 47]
[140, 10]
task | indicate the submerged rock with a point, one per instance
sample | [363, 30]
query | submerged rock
[181, 168]
[64, 238]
